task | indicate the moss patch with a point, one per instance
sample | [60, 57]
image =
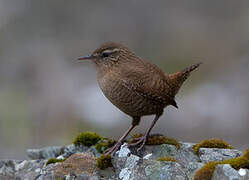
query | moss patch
[246, 154]
[206, 172]
[87, 139]
[54, 160]
[166, 158]
[104, 145]
[211, 143]
[104, 162]
[157, 139]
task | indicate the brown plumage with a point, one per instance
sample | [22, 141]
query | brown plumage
[135, 86]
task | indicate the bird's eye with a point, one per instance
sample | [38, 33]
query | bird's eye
[105, 54]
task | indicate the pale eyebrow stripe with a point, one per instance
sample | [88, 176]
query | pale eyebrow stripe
[111, 51]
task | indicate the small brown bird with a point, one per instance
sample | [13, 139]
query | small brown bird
[135, 86]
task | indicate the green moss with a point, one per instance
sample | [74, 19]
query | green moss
[104, 145]
[206, 172]
[87, 139]
[237, 163]
[246, 154]
[60, 178]
[157, 139]
[166, 158]
[104, 162]
[211, 143]
[54, 160]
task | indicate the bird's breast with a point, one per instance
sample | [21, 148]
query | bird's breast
[127, 100]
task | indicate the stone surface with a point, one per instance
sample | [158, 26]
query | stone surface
[45, 153]
[80, 164]
[192, 168]
[226, 172]
[186, 155]
[215, 154]
[27, 169]
[165, 170]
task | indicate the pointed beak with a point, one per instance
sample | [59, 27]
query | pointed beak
[88, 57]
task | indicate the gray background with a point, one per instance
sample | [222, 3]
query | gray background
[47, 97]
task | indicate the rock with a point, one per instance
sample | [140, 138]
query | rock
[215, 154]
[165, 170]
[148, 156]
[124, 151]
[164, 150]
[80, 164]
[55, 151]
[226, 172]
[130, 166]
[192, 168]
[7, 169]
[123, 161]
[27, 169]
[151, 169]
[45, 153]
[186, 155]
[76, 164]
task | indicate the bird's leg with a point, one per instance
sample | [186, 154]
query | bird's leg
[143, 139]
[114, 148]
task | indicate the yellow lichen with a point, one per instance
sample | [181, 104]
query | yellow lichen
[206, 172]
[156, 139]
[211, 143]
[87, 139]
[166, 158]
[104, 145]
[104, 162]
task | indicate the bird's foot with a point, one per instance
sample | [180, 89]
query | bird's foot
[141, 140]
[113, 149]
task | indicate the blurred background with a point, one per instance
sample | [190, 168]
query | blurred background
[47, 97]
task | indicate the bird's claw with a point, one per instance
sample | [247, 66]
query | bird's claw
[112, 149]
[141, 140]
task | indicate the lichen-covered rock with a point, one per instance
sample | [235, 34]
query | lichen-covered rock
[27, 169]
[7, 169]
[45, 153]
[192, 168]
[165, 170]
[77, 166]
[215, 154]
[131, 166]
[80, 163]
[186, 155]
[56, 151]
[164, 150]
[226, 172]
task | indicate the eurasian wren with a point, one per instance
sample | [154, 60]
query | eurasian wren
[135, 86]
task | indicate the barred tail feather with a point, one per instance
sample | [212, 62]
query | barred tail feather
[186, 72]
[177, 79]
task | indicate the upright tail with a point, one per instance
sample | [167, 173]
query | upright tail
[186, 72]
[177, 79]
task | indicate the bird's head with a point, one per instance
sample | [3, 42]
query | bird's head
[108, 54]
